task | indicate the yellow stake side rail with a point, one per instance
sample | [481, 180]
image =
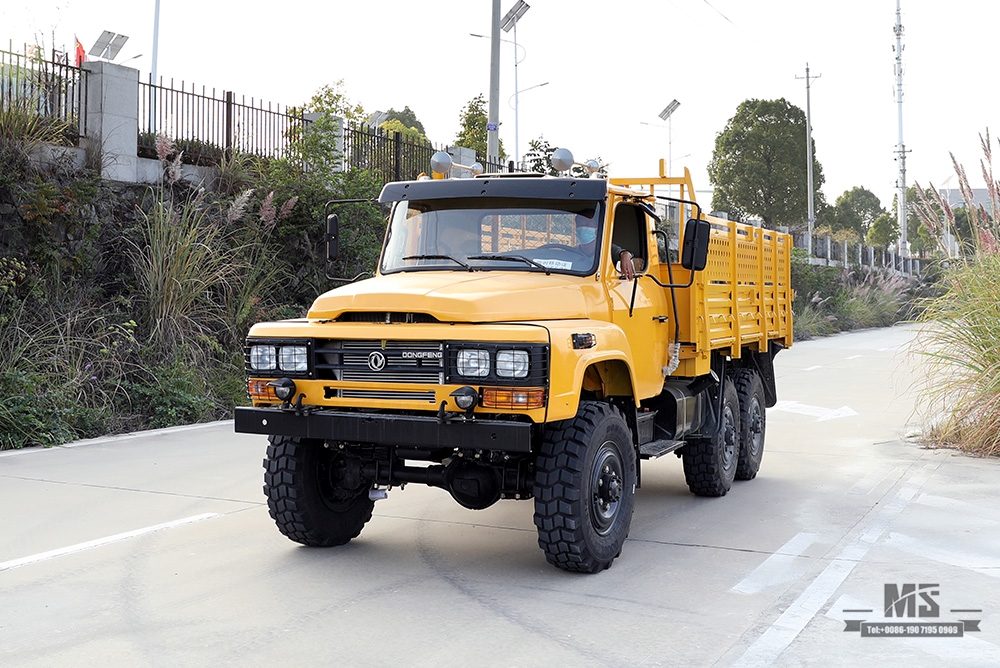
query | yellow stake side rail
[743, 298]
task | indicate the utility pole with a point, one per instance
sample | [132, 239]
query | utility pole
[901, 198]
[809, 162]
[493, 120]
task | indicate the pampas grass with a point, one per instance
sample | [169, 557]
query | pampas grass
[960, 337]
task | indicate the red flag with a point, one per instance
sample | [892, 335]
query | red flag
[81, 53]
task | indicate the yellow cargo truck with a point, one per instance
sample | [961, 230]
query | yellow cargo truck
[500, 352]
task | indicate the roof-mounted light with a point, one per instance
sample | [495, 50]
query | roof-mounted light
[562, 161]
[442, 163]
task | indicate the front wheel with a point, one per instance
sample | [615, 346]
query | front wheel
[585, 489]
[315, 495]
[710, 463]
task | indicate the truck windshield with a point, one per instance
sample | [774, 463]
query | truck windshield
[554, 236]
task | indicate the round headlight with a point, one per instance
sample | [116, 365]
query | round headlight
[284, 388]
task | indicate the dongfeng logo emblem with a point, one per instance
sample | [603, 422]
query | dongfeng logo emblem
[376, 361]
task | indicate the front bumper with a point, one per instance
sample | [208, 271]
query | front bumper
[386, 429]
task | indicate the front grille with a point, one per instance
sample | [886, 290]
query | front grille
[393, 395]
[381, 361]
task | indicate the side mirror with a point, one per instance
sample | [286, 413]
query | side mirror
[332, 231]
[694, 247]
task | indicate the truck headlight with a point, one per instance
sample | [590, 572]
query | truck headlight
[293, 358]
[473, 363]
[263, 358]
[512, 363]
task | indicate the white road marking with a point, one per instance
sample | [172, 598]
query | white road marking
[980, 563]
[79, 547]
[817, 412]
[766, 649]
[778, 568]
[813, 368]
[868, 484]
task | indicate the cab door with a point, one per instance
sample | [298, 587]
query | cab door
[645, 319]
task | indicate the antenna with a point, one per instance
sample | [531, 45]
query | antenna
[809, 161]
[901, 151]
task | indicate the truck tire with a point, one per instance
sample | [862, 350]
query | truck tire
[752, 422]
[710, 463]
[312, 495]
[584, 490]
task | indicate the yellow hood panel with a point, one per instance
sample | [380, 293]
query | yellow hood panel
[469, 296]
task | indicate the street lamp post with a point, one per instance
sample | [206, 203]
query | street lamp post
[510, 21]
[667, 112]
[492, 120]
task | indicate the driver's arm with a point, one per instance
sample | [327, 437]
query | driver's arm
[623, 255]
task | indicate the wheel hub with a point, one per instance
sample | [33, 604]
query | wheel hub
[607, 489]
[609, 486]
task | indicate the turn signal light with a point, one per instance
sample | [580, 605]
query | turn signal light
[513, 398]
[259, 391]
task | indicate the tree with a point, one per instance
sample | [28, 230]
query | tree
[856, 210]
[539, 159]
[407, 118]
[313, 173]
[332, 100]
[473, 133]
[758, 166]
[883, 232]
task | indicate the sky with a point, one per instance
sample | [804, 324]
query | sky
[608, 69]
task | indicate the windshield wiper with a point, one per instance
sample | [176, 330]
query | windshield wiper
[511, 258]
[438, 257]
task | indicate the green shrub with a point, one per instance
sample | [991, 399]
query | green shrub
[173, 396]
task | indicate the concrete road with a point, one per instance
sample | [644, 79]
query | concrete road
[157, 550]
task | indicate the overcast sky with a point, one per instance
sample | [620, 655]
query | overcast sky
[609, 68]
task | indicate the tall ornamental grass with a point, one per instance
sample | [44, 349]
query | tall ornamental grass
[960, 337]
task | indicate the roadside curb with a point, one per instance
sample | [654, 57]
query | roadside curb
[116, 438]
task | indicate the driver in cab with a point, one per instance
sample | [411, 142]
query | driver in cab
[586, 236]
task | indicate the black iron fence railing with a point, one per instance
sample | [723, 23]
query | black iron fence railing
[51, 88]
[388, 154]
[207, 125]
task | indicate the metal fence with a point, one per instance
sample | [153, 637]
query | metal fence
[49, 87]
[207, 125]
[829, 252]
[387, 154]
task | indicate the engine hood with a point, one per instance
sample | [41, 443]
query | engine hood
[468, 297]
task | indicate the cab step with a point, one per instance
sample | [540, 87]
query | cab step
[658, 448]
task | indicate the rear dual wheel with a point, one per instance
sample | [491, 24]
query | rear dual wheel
[710, 463]
[753, 416]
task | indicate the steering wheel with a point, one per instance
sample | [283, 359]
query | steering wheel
[562, 249]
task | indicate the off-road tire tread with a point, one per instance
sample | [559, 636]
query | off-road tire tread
[703, 470]
[561, 515]
[746, 387]
[294, 505]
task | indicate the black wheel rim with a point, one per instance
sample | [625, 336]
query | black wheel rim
[756, 416]
[730, 439]
[607, 483]
[330, 482]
